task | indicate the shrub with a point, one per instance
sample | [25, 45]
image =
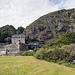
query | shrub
[70, 36]
[45, 46]
[71, 51]
[36, 49]
[66, 39]
[28, 53]
[66, 53]
[62, 40]
[41, 54]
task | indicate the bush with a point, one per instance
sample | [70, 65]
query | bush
[59, 54]
[28, 53]
[36, 49]
[66, 39]
[70, 36]
[45, 46]
[41, 54]
[62, 40]
[71, 51]
[66, 53]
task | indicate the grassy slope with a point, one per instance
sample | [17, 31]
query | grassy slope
[28, 65]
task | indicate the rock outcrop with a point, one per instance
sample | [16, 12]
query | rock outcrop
[51, 25]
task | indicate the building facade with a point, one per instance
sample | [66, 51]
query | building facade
[18, 39]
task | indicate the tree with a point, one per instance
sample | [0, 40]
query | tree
[4, 34]
[20, 30]
[8, 40]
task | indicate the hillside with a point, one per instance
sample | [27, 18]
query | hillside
[51, 25]
[28, 65]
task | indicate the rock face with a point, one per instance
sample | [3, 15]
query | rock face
[51, 25]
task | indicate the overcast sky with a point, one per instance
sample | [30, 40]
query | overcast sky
[24, 12]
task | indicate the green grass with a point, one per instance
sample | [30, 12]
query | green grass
[29, 65]
[66, 64]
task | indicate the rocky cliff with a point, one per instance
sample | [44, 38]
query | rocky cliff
[51, 25]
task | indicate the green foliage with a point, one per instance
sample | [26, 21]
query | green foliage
[54, 55]
[66, 64]
[66, 39]
[4, 34]
[70, 36]
[63, 10]
[8, 40]
[71, 51]
[54, 19]
[45, 46]
[36, 49]
[41, 54]
[20, 30]
[66, 53]
[42, 23]
[59, 54]
[27, 53]
[62, 40]
[50, 14]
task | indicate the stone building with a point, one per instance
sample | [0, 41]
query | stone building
[18, 39]
[18, 45]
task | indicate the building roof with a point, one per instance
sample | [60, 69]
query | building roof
[18, 36]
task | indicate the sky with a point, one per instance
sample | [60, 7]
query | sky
[24, 12]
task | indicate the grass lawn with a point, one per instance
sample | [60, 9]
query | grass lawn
[29, 65]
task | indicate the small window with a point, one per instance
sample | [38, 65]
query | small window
[19, 41]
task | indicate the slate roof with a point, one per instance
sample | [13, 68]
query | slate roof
[18, 36]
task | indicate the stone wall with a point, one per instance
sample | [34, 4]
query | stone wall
[15, 49]
[2, 48]
[2, 52]
[23, 47]
[17, 40]
[2, 45]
